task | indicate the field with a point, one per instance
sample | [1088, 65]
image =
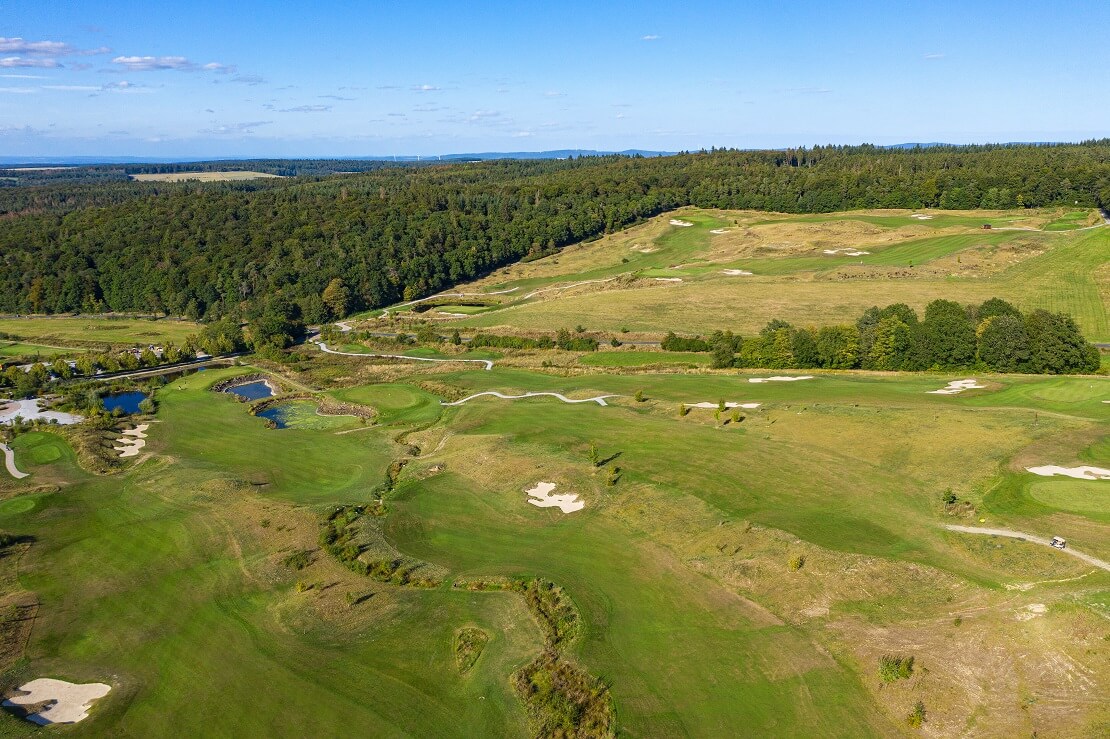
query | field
[83, 330]
[658, 276]
[170, 580]
[201, 176]
[732, 570]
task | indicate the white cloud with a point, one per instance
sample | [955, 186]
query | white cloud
[934, 55]
[71, 88]
[10, 62]
[553, 94]
[23, 76]
[175, 63]
[17, 90]
[307, 109]
[521, 134]
[650, 37]
[17, 45]
[235, 128]
[426, 88]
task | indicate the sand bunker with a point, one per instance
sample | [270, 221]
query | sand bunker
[600, 399]
[70, 702]
[541, 497]
[847, 252]
[735, 272]
[958, 386]
[29, 410]
[719, 231]
[921, 217]
[131, 441]
[677, 222]
[643, 249]
[1079, 473]
[780, 378]
[749, 406]
[667, 279]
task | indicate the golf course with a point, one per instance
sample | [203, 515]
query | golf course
[622, 542]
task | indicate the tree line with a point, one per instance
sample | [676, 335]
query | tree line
[993, 336]
[207, 251]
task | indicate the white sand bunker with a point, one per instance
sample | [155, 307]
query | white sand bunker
[677, 222]
[736, 272]
[668, 279]
[70, 702]
[643, 249]
[847, 252]
[541, 497]
[29, 410]
[1079, 473]
[131, 441]
[958, 386]
[600, 399]
[780, 378]
[921, 217]
[749, 406]
[719, 231]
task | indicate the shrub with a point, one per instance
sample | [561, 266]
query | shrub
[916, 716]
[298, 560]
[893, 667]
[797, 562]
[682, 409]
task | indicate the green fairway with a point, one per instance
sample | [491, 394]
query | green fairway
[17, 349]
[634, 358]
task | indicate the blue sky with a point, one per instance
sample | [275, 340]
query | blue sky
[353, 78]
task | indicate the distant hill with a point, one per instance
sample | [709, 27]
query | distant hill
[85, 161]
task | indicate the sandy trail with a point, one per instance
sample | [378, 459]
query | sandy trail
[9, 462]
[749, 406]
[1029, 537]
[345, 326]
[71, 701]
[667, 279]
[564, 287]
[385, 311]
[324, 347]
[541, 497]
[600, 399]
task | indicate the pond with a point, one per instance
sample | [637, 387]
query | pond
[304, 414]
[127, 402]
[256, 390]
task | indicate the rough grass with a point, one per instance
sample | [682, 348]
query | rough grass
[91, 329]
[951, 256]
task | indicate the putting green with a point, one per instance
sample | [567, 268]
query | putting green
[1075, 496]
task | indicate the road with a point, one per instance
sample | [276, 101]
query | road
[1029, 537]
[165, 368]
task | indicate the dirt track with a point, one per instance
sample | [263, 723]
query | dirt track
[1029, 537]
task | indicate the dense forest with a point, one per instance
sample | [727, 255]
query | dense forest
[401, 232]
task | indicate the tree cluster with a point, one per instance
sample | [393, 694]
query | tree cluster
[993, 336]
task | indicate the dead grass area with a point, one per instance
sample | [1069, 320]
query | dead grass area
[202, 176]
[1021, 668]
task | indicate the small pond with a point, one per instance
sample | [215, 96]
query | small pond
[127, 402]
[303, 414]
[256, 390]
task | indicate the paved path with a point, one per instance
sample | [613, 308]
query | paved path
[324, 347]
[9, 462]
[1029, 537]
[600, 399]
